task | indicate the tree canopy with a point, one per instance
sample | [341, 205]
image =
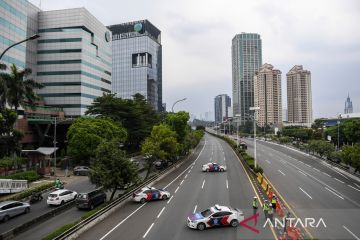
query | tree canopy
[85, 134]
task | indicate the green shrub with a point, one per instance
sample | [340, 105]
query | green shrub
[258, 169]
[28, 175]
[59, 231]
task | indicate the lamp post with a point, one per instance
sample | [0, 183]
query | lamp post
[180, 100]
[13, 45]
[338, 132]
[254, 109]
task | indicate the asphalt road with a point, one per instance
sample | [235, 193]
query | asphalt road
[191, 189]
[313, 189]
[79, 185]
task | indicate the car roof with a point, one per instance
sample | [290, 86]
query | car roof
[60, 191]
[218, 208]
[148, 188]
[6, 203]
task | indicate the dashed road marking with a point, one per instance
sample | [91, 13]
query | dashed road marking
[316, 169]
[334, 193]
[302, 173]
[281, 172]
[326, 174]
[160, 212]
[176, 189]
[181, 182]
[356, 237]
[185, 176]
[146, 233]
[227, 184]
[195, 209]
[170, 199]
[338, 180]
[305, 193]
[202, 186]
[268, 161]
[354, 188]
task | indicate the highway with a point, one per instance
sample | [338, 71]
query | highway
[313, 189]
[192, 190]
[82, 183]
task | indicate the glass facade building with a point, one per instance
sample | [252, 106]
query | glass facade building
[246, 60]
[137, 61]
[222, 104]
[72, 57]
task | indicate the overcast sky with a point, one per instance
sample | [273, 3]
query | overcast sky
[321, 35]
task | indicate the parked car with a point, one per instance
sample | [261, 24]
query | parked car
[81, 170]
[9, 209]
[334, 159]
[60, 197]
[161, 164]
[91, 199]
[243, 145]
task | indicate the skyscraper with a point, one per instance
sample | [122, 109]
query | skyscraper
[267, 91]
[246, 59]
[222, 105]
[299, 96]
[348, 105]
[137, 61]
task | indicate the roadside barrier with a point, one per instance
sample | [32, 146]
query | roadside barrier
[259, 177]
[264, 185]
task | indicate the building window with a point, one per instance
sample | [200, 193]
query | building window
[142, 60]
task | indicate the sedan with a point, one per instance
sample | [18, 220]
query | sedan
[213, 167]
[9, 209]
[149, 194]
[61, 196]
[81, 170]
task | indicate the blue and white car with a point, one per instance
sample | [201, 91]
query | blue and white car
[147, 194]
[216, 216]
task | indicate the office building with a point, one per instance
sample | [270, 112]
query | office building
[222, 104]
[137, 61]
[72, 57]
[284, 115]
[299, 96]
[348, 106]
[267, 92]
[246, 59]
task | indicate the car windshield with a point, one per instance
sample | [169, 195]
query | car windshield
[206, 213]
[53, 195]
[82, 196]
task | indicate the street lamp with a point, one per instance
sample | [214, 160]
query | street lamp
[180, 100]
[338, 135]
[13, 45]
[254, 109]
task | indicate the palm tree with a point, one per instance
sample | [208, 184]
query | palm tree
[16, 89]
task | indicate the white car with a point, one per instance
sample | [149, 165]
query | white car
[216, 216]
[213, 167]
[149, 194]
[61, 196]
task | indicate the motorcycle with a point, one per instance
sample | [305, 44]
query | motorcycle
[60, 186]
[35, 197]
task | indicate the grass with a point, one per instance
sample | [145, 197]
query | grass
[59, 231]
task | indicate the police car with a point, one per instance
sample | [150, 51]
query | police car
[149, 194]
[216, 216]
[213, 167]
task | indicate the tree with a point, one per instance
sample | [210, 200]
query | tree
[111, 169]
[161, 144]
[9, 137]
[136, 115]
[178, 122]
[85, 134]
[16, 89]
[321, 147]
[352, 130]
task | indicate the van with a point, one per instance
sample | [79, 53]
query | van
[91, 199]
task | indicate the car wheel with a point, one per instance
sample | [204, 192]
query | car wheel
[234, 223]
[104, 200]
[6, 218]
[62, 202]
[27, 210]
[77, 173]
[207, 170]
[74, 197]
[91, 206]
[164, 197]
[201, 226]
[143, 200]
[221, 170]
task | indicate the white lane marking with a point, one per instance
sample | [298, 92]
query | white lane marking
[189, 171]
[302, 173]
[326, 174]
[338, 180]
[224, 159]
[354, 188]
[170, 199]
[357, 185]
[334, 193]
[185, 176]
[268, 161]
[305, 193]
[202, 186]
[103, 237]
[227, 184]
[356, 237]
[176, 189]
[185, 169]
[195, 209]
[281, 172]
[148, 230]
[316, 169]
[160, 212]
[181, 182]
[340, 173]
[307, 165]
